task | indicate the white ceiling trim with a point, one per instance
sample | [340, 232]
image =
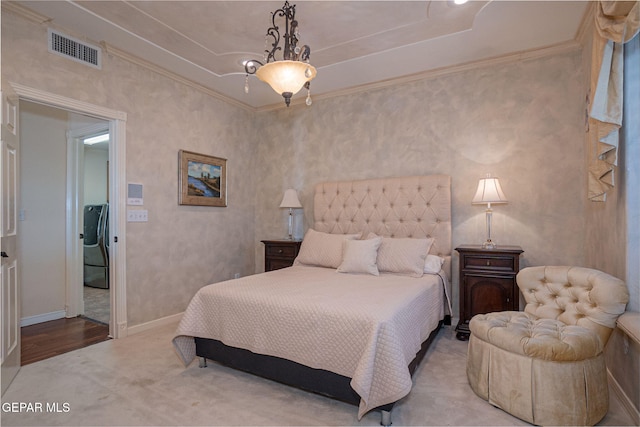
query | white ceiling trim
[560, 48]
[429, 74]
[579, 39]
[170, 74]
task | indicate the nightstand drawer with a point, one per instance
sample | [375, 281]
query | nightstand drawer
[280, 253]
[287, 251]
[489, 262]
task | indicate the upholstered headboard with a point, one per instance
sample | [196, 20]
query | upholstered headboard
[415, 206]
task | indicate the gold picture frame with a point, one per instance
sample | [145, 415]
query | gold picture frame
[202, 179]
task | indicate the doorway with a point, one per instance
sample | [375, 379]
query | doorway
[61, 176]
[117, 198]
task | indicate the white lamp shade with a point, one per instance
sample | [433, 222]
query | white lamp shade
[286, 76]
[290, 200]
[489, 191]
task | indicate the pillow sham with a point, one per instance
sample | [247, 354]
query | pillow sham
[433, 264]
[322, 249]
[359, 256]
[404, 256]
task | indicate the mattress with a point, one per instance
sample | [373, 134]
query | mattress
[364, 327]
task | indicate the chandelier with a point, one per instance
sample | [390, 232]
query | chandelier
[289, 74]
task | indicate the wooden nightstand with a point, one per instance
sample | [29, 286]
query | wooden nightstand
[280, 253]
[487, 282]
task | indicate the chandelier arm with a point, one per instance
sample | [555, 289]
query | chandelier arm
[275, 34]
[305, 53]
[250, 66]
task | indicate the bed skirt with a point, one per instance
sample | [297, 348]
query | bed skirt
[294, 374]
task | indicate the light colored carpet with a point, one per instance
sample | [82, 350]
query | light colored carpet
[140, 381]
[96, 304]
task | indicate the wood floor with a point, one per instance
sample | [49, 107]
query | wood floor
[55, 337]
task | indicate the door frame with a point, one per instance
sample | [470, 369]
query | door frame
[74, 299]
[117, 193]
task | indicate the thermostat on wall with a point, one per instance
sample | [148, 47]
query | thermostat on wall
[134, 194]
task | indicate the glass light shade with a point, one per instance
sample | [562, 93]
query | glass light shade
[286, 76]
[489, 191]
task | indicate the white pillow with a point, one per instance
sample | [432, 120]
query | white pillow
[322, 249]
[359, 256]
[433, 264]
[404, 256]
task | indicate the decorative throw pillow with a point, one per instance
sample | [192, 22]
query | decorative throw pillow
[359, 256]
[322, 249]
[433, 264]
[404, 256]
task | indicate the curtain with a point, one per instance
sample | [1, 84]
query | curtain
[616, 22]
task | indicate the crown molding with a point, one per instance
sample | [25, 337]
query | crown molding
[564, 47]
[586, 25]
[24, 12]
[528, 55]
[113, 51]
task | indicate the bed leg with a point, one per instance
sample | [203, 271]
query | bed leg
[385, 418]
[203, 362]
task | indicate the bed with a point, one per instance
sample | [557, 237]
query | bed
[355, 314]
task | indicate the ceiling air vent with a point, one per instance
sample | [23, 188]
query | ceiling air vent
[71, 48]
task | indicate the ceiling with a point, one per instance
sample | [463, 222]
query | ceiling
[354, 44]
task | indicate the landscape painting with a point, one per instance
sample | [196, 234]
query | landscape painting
[203, 179]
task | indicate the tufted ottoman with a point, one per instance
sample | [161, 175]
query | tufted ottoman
[546, 365]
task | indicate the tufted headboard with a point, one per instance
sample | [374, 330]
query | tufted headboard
[415, 206]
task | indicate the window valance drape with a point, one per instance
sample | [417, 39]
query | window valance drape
[616, 22]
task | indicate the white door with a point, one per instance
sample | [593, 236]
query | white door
[10, 296]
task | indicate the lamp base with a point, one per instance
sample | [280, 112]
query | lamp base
[489, 245]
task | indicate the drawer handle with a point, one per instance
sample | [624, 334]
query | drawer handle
[488, 262]
[279, 251]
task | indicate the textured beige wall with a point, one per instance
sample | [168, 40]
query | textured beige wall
[181, 248]
[41, 241]
[522, 122]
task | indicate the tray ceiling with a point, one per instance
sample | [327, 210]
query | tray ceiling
[354, 44]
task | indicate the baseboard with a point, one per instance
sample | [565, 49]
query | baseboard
[633, 412]
[40, 318]
[163, 321]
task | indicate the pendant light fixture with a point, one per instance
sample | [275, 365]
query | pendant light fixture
[289, 74]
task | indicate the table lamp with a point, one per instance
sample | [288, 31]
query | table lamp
[290, 201]
[489, 191]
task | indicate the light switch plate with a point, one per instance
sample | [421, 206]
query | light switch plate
[137, 215]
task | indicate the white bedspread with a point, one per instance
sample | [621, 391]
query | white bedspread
[365, 327]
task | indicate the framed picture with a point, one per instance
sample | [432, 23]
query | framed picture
[203, 179]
